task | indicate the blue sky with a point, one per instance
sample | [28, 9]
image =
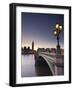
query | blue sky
[40, 28]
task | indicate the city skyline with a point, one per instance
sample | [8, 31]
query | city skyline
[39, 28]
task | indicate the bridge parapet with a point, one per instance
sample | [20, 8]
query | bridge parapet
[54, 61]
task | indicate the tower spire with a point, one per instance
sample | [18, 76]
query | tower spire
[33, 45]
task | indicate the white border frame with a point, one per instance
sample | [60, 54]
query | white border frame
[19, 79]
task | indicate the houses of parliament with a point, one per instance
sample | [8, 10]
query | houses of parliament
[27, 50]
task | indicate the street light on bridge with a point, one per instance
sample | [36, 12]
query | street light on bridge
[58, 30]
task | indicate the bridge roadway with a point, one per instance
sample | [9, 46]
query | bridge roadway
[51, 59]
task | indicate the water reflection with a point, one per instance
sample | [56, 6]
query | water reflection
[30, 69]
[28, 66]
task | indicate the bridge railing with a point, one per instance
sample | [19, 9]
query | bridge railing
[55, 61]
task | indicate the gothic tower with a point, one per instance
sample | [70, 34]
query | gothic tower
[32, 45]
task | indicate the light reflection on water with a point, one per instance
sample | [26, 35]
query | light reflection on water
[28, 66]
[29, 69]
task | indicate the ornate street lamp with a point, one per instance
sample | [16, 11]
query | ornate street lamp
[58, 30]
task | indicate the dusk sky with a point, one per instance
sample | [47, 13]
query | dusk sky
[40, 28]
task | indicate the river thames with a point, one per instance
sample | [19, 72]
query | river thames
[29, 69]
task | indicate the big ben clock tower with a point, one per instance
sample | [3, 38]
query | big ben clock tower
[32, 45]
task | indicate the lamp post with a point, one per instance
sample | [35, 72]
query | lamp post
[58, 30]
[59, 69]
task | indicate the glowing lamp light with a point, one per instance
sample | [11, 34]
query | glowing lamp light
[55, 33]
[60, 27]
[57, 26]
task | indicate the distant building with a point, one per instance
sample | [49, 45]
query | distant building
[48, 50]
[41, 50]
[33, 46]
[28, 48]
[62, 51]
[24, 48]
[53, 50]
